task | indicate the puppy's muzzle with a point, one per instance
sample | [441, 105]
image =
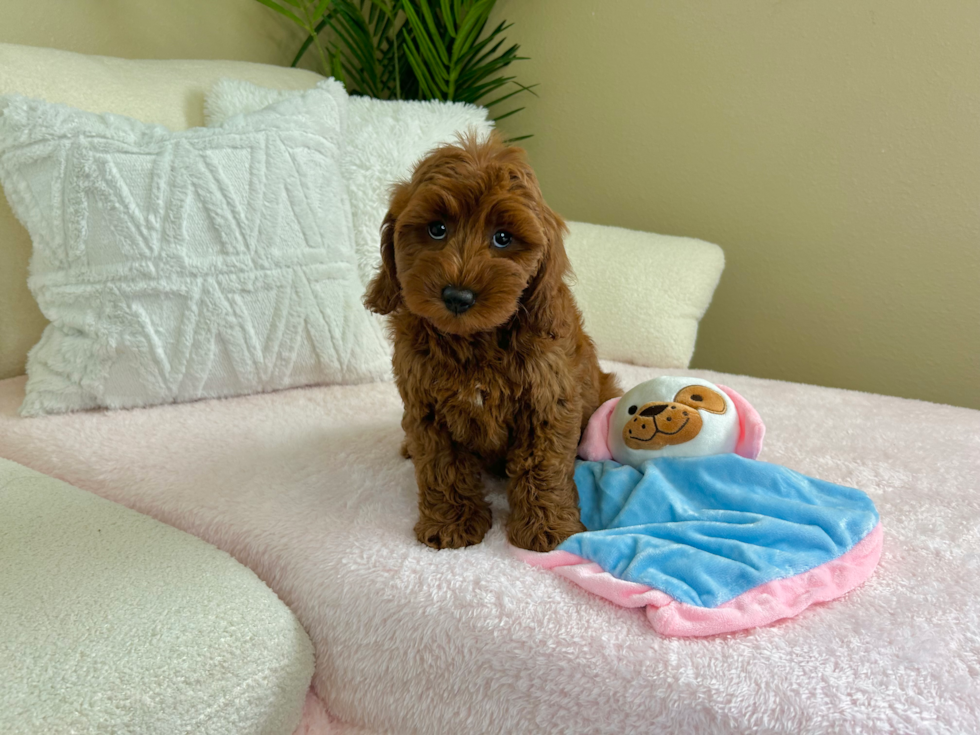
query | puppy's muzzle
[458, 300]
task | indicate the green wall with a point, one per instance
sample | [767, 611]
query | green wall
[831, 148]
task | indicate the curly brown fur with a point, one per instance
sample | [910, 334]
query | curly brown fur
[510, 382]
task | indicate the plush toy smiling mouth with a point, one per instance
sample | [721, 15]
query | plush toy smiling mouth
[658, 424]
[660, 437]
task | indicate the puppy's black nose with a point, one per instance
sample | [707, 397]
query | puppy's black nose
[653, 410]
[457, 300]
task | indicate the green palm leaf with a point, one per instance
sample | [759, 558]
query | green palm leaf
[410, 49]
[520, 88]
[282, 11]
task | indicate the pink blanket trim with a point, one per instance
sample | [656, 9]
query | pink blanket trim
[765, 604]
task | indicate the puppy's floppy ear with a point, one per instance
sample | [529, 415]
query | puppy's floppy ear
[383, 293]
[541, 295]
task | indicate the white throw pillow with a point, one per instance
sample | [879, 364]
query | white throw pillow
[672, 278]
[196, 264]
[385, 139]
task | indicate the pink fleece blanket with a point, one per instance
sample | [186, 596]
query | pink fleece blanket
[308, 489]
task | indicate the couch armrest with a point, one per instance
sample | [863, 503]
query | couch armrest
[111, 621]
[642, 295]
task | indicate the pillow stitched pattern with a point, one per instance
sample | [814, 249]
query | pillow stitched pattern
[385, 139]
[178, 266]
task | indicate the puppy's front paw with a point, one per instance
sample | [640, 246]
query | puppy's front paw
[404, 451]
[541, 534]
[454, 534]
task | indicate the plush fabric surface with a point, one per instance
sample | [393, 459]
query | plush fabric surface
[385, 139]
[706, 531]
[170, 93]
[307, 488]
[317, 720]
[112, 622]
[177, 266]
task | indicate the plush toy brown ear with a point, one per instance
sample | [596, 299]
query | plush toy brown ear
[384, 293]
[701, 397]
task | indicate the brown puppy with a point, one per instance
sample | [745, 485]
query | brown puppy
[490, 357]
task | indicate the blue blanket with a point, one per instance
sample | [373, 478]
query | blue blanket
[705, 530]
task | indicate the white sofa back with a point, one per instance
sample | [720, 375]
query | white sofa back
[642, 294]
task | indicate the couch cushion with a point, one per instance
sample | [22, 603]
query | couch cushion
[170, 93]
[111, 621]
[307, 487]
[642, 295]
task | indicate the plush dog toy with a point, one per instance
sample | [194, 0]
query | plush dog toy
[673, 417]
[683, 519]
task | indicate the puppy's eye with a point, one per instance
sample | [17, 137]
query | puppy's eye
[501, 239]
[437, 230]
[632, 410]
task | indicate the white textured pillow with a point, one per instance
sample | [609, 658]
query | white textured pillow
[385, 139]
[177, 266]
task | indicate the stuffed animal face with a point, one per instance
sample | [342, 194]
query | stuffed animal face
[673, 417]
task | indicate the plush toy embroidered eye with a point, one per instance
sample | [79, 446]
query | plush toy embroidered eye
[673, 417]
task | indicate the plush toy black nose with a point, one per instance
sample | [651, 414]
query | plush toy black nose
[653, 410]
[457, 300]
